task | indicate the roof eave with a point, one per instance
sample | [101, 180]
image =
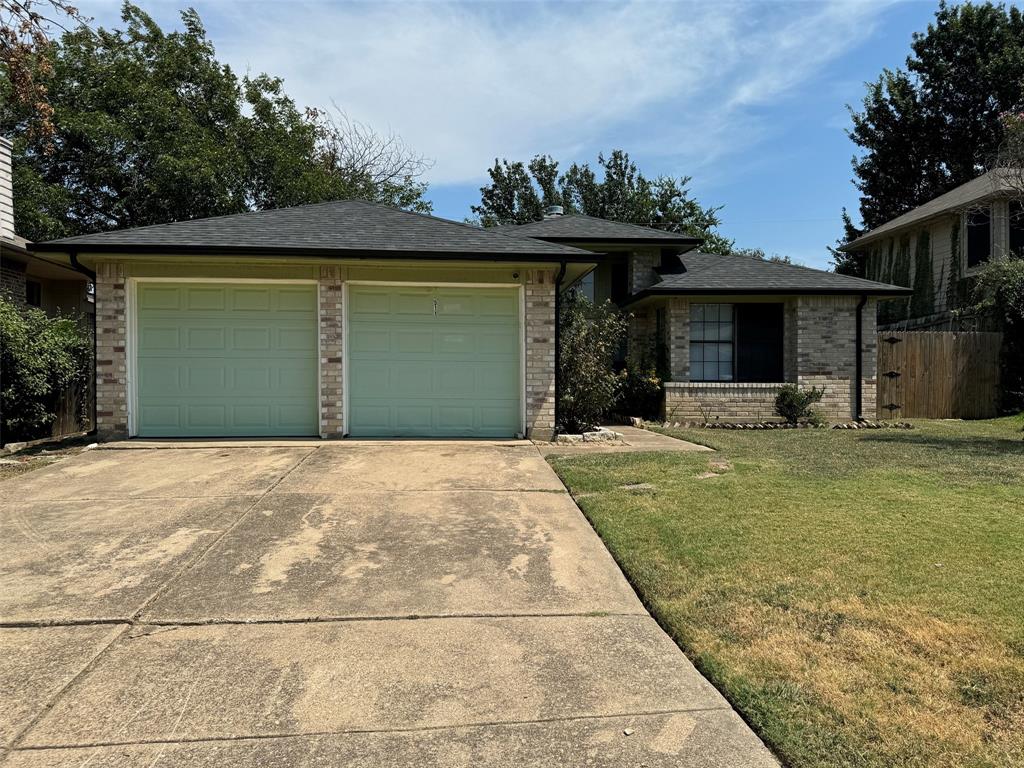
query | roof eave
[580, 256]
[688, 242]
[648, 293]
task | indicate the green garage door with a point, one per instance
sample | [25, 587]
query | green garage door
[427, 362]
[226, 360]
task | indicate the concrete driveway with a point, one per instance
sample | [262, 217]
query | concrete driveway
[359, 604]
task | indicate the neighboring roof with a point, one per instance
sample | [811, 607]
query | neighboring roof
[987, 185]
[567, 228]
[709, 273]
[346, 228]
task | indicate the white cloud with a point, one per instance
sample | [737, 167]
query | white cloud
[465, 83]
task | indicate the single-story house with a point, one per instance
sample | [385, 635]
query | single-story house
[350, 318]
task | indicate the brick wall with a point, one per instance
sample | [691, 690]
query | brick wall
[331, 340]
[12, 282]
[540, 354]
[720, 400]
[111, 361]
[642, 263]
[826, 352]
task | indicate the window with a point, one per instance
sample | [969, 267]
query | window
[33, 293]
[979, 237]
[1016, 214]
[585, 286]
[737, 342]
[711, 338]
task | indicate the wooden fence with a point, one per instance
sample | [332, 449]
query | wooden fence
[938, 374]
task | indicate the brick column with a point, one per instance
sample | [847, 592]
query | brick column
[331, 361]
[111, 361]
[540, 354]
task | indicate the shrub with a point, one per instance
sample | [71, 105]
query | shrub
[40, 358]
[998, 293]
[590, 337]
[640, 392]
[794, 404]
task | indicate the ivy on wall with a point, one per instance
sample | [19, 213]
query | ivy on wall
[923, 301]
[956, 292]
[898, 273]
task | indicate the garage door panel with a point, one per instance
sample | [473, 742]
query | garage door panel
[414, 373]
[226, 360]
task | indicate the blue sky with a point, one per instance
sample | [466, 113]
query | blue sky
[747, 97]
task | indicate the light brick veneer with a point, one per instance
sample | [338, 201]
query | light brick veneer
[111, 361]
[827, 352]
[540, 354]
[331, 361]
[720, 400]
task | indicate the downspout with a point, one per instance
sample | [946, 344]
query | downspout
[79, 267]
[558, 341]
[858, 393]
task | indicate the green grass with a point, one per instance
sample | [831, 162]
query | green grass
[857, 595]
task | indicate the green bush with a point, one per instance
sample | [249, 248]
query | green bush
[41, 358]
[794, 404]
[998, 293]
[590, 337]
[641, 391]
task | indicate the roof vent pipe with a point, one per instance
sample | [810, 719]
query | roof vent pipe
[551, 211]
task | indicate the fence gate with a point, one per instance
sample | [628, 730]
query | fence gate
[938, 374]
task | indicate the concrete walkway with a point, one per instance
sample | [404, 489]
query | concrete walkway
[634, 440]
[358, 604]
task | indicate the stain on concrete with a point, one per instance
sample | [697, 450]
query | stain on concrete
[402, 554]
[238, 681]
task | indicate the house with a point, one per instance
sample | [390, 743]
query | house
[729, 330]
[937, 248]
[29, 280]
[350, 318]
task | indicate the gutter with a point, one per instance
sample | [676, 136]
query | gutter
[858, 393]
[558, 341]
[79, 267]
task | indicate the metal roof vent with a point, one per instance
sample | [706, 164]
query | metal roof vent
[553, 210]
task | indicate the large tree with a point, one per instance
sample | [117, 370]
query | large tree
[149, 127]
[518, 193]
[934, 125]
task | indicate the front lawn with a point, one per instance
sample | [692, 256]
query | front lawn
[857, 595]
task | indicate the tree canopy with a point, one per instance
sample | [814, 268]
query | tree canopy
[149, 127]
[519, 192]
[935, 124]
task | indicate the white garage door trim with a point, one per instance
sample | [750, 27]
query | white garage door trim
[132, 326]
[346, 305]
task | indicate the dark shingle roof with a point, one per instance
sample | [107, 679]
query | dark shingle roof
[994, 183]
[707, 273]
[340, 228]
[579, 228]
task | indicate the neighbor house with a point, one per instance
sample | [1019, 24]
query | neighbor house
[30, 280]
[936, 248]
[350, 318]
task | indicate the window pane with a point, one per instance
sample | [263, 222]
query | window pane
[710, 353]
[697, 371]
[725, 331]
[696, 353]
[696, 312]
[725, 372]
[697, 330]
[725, 352]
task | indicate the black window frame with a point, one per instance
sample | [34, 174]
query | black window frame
[777, 365]
[1015, 223]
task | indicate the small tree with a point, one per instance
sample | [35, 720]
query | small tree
[590, 337]
[40, 358]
